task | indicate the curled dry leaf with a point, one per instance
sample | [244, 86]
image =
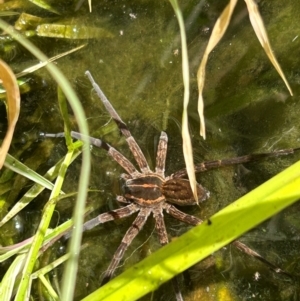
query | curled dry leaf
[216, 35]
[261, 33]
[10, 84]
[218, 32]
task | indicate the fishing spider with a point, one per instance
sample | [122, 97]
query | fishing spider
[151, 192]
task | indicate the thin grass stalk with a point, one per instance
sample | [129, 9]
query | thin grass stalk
[187, 143]
[20, 168]
[64, 113]
[48, 287]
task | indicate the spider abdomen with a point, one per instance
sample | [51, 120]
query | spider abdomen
[146, 190]
[178, 191]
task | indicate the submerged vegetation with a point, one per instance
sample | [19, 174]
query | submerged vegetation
[134, 51]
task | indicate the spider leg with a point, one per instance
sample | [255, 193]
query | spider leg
[108, 216]
[244, 248]
[122, 199]
[131, 233]
[135, 149]
[204, 166]
[160, 226]
[189, 219]
[161, 230]
[186, 218]
[161, 155]
[192, 220]
[116, 155]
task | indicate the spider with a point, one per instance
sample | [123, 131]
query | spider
[151, 192]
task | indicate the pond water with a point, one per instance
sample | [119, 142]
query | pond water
[137, 63]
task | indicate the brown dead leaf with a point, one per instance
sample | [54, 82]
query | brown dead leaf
[10, 84]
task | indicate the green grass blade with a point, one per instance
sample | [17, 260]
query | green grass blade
[36, 189]
[43, 226]
[51, 236]
[198, 243]
[65, 115]
[45, 5]
[20, 168]
[8, 281]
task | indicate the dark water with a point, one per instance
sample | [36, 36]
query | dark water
[248, 109]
